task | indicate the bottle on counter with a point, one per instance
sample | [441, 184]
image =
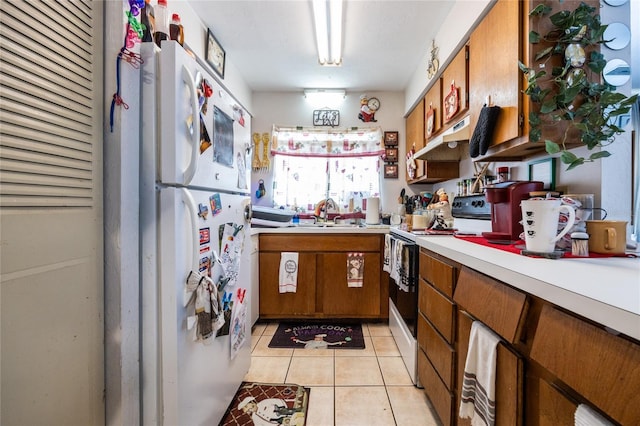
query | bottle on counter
[162, 22]
[176, 31]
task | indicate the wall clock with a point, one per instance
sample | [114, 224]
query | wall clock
[373, 104]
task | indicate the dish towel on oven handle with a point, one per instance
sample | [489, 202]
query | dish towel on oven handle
[355, 269]
[386, 258]
[478, 401]
[400, 265]
[586, 416]
[288, 282]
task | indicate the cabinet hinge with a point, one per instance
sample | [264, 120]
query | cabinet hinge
[521, 120]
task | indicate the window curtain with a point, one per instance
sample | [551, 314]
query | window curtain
[316, 142]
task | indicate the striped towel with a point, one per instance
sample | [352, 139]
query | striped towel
[478, 388]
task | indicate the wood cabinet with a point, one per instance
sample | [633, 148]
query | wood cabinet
[436, 333]
[496, 45]
[502, 309]
[609, 366]
[322, 290]
[415, 138]
[456, 74]
[493, 70]
[555, 358]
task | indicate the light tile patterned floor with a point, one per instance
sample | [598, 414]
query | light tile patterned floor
[348, 387]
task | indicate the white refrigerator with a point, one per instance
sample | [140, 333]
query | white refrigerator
[194, 179]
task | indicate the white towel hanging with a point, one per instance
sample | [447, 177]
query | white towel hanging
[288, 272]
[479, 384]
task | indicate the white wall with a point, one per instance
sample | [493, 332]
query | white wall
[195, 34]
[291, 108]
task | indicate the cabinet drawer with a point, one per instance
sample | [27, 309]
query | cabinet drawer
[438, 351]
[497, 305]
[436, 391]
[437, 273]
[438, 309]
[319, 243]
[604, 368]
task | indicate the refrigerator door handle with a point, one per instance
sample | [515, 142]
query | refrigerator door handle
[187, 199]
[190, 171]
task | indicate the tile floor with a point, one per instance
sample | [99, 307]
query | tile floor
[349, 387]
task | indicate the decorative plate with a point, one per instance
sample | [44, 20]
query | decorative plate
[430, 121]
[451, 102]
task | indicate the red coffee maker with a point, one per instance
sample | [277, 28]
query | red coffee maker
[506, 213]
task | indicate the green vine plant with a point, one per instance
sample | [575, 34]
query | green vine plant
[574, 93]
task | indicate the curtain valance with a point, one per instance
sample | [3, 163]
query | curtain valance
[316, 142]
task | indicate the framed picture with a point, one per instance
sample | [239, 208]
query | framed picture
[390, 138]
[215, 54]
[326, 117]
[544, 171]
[391, 154]
[390, 171]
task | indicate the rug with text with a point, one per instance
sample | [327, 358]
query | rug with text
[318, 336]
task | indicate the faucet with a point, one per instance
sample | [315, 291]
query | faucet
[330, 204]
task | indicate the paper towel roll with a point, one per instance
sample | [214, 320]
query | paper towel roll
[373, 211]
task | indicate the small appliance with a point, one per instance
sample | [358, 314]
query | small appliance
[506, 214]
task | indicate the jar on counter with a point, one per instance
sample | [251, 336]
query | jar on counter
[503, 174]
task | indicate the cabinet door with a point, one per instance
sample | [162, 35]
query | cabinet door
[509, 377]
[494, 50]
[415, 138]
[456, 73]
[432, 106]
[275, 304]
[340, 300]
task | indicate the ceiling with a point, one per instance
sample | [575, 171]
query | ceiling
[272, 42]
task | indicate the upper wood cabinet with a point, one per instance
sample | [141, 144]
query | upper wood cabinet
[496, 45]
[457, 74]
[433, 106]
[494, 51]
[415, 138]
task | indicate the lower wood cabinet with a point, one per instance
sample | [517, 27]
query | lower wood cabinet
[509, 377]
[322, 290]
[441, 398]
[601, 367]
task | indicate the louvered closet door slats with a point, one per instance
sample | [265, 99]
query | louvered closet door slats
[46, 107]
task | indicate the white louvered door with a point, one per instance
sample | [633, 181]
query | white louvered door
[51, 244]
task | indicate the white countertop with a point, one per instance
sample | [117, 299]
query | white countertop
[605, 290]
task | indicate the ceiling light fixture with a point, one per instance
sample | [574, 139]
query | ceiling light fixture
[327, 16]
[325, 97]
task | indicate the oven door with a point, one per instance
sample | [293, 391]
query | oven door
[404, 294]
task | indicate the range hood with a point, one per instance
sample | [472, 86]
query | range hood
[459, 132]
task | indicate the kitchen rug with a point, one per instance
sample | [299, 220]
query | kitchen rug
[267, 403]
[318, 336]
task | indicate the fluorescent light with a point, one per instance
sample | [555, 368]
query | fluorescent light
[335, 32]
[327, 16]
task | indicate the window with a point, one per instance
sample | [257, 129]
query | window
[312, 164]
[304, 181]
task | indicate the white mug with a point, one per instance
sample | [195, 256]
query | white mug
[540, 221]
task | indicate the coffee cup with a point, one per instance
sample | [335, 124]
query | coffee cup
[607, 236]
[540, 219]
